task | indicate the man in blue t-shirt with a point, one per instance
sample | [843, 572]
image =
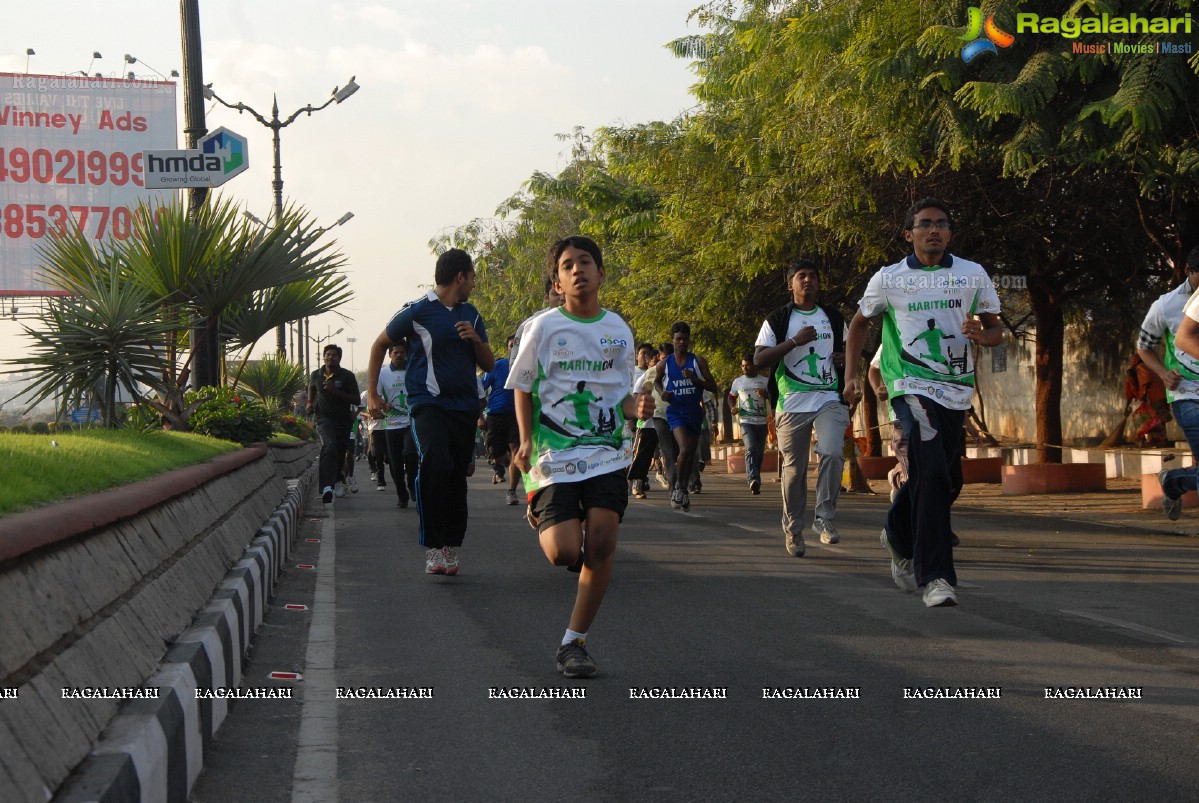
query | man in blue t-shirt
[447, 339]
[501, 435]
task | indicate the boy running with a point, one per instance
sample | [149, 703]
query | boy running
[574, 463]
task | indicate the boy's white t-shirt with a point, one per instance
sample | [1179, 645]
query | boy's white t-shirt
[395, 396]
[923, 349]
[578, 372]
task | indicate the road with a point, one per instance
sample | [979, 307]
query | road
[710, 600]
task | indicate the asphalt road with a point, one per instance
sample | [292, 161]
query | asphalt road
[711, 600]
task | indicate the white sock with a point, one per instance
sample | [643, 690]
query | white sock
[572, 635]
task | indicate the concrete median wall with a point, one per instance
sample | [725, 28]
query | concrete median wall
[97, 590]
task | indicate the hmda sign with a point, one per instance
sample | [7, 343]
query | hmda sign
[221, 155]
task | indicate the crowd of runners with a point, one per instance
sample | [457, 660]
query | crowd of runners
[578, 415]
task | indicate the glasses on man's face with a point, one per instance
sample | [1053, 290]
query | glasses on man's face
[925, 225]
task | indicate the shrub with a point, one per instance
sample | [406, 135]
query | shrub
[221, 413]
[290, 424]
[39, 428]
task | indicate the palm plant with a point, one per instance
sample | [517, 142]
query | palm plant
[274, 381]
[140, 306]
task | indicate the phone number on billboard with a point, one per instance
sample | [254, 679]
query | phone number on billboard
[43, 166]
[39, 220]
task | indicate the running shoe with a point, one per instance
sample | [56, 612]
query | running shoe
[939, 594]
[795, 545]
[574, 662]
[327, 495]
[676, 499]
[755, 487]
[510, 498]
[339, 490]
[901, 568]
[826, 530]
[686, 501]
[638, 489]
[381, 486]
[451, 560]
[374, 476]
[661, 478]
[434, 561]
[353, 484]
[1171, 507]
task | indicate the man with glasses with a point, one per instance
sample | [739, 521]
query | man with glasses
[929, 291]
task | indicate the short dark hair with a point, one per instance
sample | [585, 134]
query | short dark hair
[921, 205]
[549, 283]
[680, 327]
[646, 347]
[1192, 262]
[450, 264]
[796, 265]
[332, 347]
[749, 355]
[665, 348]
[574, 241]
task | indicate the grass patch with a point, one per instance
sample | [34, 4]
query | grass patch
[283, 437]
[37, 473]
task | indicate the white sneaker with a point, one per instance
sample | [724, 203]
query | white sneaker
[451, 559]
[661, 478]
[939, 593]
[901, 569]
[353, 483]
[374, 476]
[339, 490]
[434, 561]
[826, 530]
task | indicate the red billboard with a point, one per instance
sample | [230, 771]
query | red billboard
[71, 150]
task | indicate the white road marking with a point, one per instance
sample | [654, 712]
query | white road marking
[314, 779]
[1131, 626]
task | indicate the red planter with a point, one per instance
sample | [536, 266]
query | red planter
[876, 468]
[770, 463]
[1054, 478]
[982, 469]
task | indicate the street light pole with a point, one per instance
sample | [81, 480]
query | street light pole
[351, 341]
[276, 125]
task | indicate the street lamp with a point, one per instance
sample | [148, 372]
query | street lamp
[134, 60]
[276, 125]
[351, 341]
[304, 323]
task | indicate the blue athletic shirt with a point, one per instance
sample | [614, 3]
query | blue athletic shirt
[500, 400]
[441, 365]
[687, 394]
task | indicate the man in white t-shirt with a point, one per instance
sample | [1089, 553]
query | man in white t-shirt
[749, 400]
[1180, 373]
[806, 343]
[934, 307]
[397, 425]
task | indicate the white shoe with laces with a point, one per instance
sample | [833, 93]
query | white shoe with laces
[939, 593]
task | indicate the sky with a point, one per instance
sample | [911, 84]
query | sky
[460, 102]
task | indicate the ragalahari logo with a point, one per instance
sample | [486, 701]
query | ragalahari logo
[229, 147]
[982, 37]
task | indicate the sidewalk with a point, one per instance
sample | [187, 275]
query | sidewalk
[1118, 507]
